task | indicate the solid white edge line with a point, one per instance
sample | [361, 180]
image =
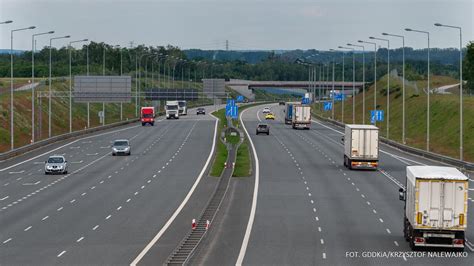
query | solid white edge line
[65, 145]
[181, 206]
[248, 231]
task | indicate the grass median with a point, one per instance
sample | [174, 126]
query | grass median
[243, 164]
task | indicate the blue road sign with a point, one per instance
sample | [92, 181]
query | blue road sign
[228, 110]
[376, 115]
[240, 98]
[338, 97]
[305, 101]
[230, 102]
[327, 106]
[234, 112]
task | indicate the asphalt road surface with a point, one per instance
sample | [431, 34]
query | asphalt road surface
[107, 208]
[310, 210]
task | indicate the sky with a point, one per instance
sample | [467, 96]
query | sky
[246, 24]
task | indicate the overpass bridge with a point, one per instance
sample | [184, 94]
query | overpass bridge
[246, 87]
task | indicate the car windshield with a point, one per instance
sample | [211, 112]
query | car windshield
[55, 160]
[121, 143]
[200, 109]
[262, 126]
[172, 107]
[147, 115]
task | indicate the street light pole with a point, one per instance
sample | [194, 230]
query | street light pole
[388, 82]
[33, 82]
[70, 82]
[363, 79]
[88, 104]
[461, 153]
[353, 81]
[375, 73]
[50, 81]
[343, 87]
[428, 90]
[12, 137]
[403, 92]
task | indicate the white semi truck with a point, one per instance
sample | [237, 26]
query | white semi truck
[361, 147]
[172, 109]
[301, 116]
[436, 204]
[182, 107]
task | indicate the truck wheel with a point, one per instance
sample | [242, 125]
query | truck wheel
[405, 230]
[143, 124]
[152, 124]
[268, 133]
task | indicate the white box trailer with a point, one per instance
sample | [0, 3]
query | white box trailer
[301, 117]
[436, 204]
[361, 147]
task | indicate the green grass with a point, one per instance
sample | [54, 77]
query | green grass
[60, 112]
[444, 116]
[243, 164]
[219, 160]
[221, 151]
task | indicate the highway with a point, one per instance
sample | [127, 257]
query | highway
[310, 210]
[107, 209]
[300, 207]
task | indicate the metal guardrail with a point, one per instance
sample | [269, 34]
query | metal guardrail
[46, 142]
[427, 154]
[42, 143]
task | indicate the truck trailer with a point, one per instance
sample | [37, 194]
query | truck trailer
[147, 115]
[301, 116]
[182, 107]
[361, 147]
[288, 112]
[436, 204]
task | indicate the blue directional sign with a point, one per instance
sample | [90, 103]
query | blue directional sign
[327, 106]
[234, 112]
[228, 110]
[305, 101]
[376, 115]
[240, 98]
[338, 97]
[230, 102]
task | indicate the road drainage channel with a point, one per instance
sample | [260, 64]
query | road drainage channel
[188, 245]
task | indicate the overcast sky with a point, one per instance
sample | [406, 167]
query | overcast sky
[247, 24]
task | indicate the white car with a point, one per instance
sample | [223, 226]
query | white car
[266, 110]
[55, 164]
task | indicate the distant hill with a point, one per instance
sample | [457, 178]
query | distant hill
[448, 56]
[7, 51]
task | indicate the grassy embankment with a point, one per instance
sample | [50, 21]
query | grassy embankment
[60, 110]
[444, 115]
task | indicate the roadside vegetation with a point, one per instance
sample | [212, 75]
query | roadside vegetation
[444, 115]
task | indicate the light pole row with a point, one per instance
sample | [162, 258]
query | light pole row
[428, 89]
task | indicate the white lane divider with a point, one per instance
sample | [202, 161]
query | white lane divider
[4, 198]
[16, 172]
[183, 203]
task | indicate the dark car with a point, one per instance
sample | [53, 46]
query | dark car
[263, 128]
[281, 103]
[200, 111]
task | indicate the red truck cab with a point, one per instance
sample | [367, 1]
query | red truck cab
[147, 115]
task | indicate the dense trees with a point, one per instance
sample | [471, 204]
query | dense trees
[257, 65]
[468, 73]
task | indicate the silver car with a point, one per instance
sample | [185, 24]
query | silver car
[121, 146]
[55, 164]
